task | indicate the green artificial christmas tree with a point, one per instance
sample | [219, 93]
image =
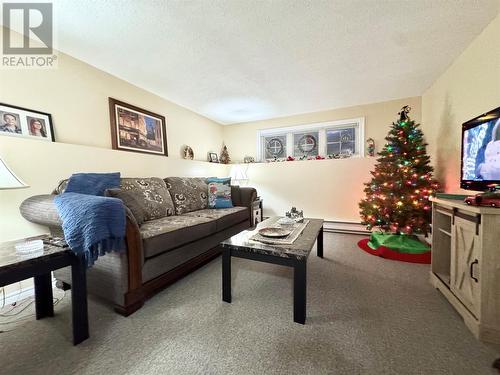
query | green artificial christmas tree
[397, 197]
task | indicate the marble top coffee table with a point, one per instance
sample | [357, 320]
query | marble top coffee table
[294, 255]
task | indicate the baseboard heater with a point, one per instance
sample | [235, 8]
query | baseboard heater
[345, 227]
[349, 227]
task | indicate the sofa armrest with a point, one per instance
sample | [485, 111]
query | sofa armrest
[247, 196]
[41, 209]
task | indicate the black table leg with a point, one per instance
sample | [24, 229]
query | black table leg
[299, 291]
[44, 303]
[320, 243]
[79, 300]
[226, 275]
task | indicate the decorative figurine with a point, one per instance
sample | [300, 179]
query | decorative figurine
[490, 198]
[371, 147]
[248, 159]
[403, 115]
[296, 215]
[187, 153]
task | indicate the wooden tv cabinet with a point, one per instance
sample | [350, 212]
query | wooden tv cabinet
[466, 263]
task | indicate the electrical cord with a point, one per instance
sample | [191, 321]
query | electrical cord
[19, 308]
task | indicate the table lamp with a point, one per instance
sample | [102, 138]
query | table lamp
[238, 173]
[8, 179]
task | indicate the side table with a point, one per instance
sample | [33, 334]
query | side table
[257, 213]
[15, 267]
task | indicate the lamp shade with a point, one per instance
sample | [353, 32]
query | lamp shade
[8, 180]
[238, 173]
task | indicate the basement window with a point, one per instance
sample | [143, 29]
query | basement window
[327, 139]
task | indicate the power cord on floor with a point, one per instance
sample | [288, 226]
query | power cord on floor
[19, 307]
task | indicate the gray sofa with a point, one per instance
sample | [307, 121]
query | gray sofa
[178, 235]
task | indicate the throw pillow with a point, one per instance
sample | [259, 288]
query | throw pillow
[131, 199]
[219, 192]
[188, 193]
[152, 194]
[92, 183]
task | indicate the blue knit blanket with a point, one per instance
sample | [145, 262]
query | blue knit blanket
[92, 225]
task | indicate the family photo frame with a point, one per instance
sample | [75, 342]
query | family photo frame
[136, 129]
[27, 123]
[212, 157]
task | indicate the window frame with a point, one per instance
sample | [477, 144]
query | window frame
[321, 127]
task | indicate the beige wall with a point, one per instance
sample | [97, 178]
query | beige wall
[43, 164]
[330, 189]
[76, 94]
[468, 88]
[241, 139]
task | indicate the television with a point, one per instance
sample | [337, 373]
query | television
[480, 169]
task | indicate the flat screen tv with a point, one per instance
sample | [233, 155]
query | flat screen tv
[481, 152]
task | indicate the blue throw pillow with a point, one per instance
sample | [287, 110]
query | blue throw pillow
[92, 183]
[219, 192]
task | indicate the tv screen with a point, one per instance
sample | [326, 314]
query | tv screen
[481, 152]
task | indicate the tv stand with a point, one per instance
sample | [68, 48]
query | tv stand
[466, 263]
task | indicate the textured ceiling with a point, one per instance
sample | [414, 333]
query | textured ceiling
[241, 60]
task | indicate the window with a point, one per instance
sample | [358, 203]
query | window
[328, 139]
[275, 147]
[305, 144]
[341, 141]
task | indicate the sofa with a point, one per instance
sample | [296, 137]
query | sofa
[177, 234]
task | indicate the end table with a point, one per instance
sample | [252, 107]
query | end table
[15, 267]
[257, 213]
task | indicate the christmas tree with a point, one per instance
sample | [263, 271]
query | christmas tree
[224, 155]
[397, 197]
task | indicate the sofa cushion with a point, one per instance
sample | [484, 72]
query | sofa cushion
[131, 199]
[170, 232]
[152, 191]
[153, 195]
[224, 217]
[188, 193]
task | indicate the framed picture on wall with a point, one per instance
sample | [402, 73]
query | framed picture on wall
[23, 122]
[136, 129]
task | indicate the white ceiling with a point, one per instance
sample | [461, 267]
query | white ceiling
[242, 60]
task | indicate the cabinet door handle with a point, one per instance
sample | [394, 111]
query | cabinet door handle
[471, 269]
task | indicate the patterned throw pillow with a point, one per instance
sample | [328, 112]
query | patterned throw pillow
[153, 195]
[219, 192]
[131, 199]
[188, 193]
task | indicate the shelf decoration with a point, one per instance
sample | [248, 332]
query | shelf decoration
[224, 156]
[187, 153]
[370, 147]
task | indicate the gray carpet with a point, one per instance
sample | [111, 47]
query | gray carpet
[366, 315]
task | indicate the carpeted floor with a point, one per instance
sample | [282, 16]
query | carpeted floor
[366, 315]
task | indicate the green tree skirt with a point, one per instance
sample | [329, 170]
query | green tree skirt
[401, 243]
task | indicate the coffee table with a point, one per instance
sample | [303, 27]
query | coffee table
[294, 255]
